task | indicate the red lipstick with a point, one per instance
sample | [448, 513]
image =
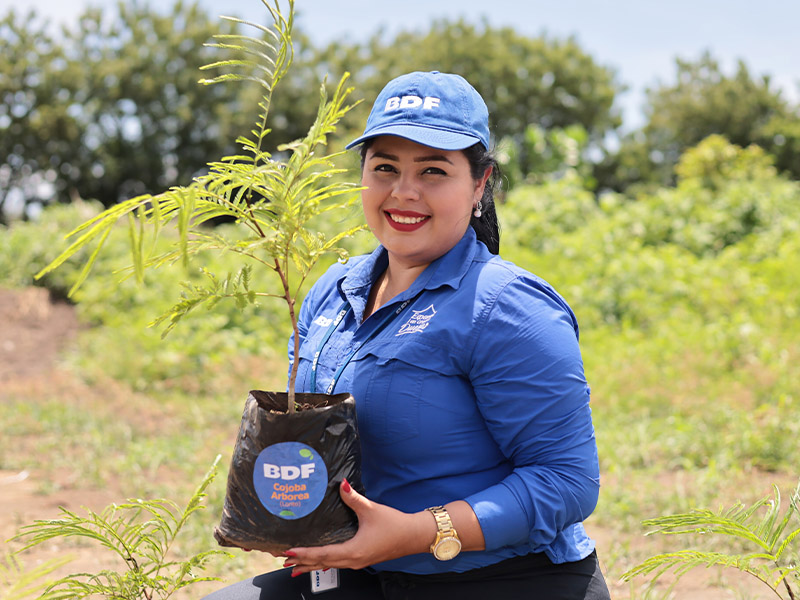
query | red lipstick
[418, 219]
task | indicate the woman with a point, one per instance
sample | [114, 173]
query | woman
[479, 457]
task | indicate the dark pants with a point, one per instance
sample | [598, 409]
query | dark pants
[531, 577]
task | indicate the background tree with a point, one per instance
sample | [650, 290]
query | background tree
[542, 155]
[548, 83]
[34, 122]
[702, 101]
[110, 108]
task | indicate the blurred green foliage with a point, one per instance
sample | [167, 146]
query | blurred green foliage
[543, 81]
[693, 250]
[701, 101]
[110, 108]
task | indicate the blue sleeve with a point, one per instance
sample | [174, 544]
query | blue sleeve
[528, 377]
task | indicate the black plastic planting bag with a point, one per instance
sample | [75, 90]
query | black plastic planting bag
[283, 484]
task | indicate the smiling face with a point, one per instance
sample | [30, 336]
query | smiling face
[418, 199]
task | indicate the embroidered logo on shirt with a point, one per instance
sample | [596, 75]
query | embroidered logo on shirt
[323, 321]
[418, 321]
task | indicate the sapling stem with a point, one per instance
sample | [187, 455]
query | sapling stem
[293, 317]
[789, 589]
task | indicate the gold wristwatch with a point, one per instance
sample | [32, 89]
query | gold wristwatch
[446, 545]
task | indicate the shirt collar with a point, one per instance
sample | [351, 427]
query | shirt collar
[448, 269]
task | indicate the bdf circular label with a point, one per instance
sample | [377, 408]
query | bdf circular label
[290, 479]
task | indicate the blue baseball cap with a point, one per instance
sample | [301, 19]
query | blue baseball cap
[440, 110]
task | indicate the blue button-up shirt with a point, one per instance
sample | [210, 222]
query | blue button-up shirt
[473, 392]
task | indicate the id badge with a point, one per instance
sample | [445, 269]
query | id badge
[322, 581]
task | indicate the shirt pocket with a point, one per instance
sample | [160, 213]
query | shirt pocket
[412, 390]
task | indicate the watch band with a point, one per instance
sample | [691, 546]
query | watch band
[443, 521]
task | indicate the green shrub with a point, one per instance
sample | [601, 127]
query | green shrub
[27, 247]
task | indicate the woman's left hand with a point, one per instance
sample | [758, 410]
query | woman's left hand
[383, 533]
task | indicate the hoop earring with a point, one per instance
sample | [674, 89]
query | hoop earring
[478, 210]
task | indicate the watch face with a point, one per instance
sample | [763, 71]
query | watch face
[447, 548]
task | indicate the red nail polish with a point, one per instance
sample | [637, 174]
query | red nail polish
[290, 554]
[346, 486]
[288, 564]
[296, 574]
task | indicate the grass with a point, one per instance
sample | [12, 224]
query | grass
[129, 444]
[663, 450]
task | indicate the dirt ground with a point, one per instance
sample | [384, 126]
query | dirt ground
[34, 331]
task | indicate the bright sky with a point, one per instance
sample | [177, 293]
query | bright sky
[639, 38]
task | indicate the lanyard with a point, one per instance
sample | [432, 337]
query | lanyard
[343, 310]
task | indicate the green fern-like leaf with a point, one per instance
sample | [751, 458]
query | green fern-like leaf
[235, 287]
[759, 525]
[138, 532]
[19, 583]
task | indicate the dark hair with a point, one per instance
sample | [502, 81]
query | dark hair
[487, 228]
